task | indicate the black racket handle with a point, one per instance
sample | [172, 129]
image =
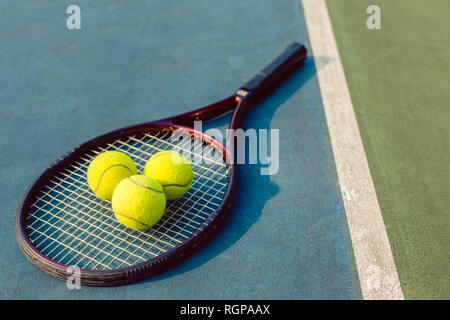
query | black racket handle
[287, 62]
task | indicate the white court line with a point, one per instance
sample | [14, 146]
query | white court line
[375, 263]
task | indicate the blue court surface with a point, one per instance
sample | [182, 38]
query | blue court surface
[136, 61]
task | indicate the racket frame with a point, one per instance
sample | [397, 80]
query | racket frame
[241, 101]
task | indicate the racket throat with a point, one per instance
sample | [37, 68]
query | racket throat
[209, 112]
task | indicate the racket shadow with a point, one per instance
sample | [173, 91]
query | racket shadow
[253, 189]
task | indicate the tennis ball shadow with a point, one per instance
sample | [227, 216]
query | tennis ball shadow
[253, 190]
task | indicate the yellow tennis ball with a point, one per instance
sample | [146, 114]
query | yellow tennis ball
[107, 170]
[138, 202]
[172, 170]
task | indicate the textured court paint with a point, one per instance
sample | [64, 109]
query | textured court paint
[399, 83]
[373, 256]
[138, 60]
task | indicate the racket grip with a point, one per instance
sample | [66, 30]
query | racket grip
[287, 62]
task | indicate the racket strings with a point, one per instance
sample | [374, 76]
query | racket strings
[71, 226]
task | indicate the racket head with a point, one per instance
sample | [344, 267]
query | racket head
[60, 222]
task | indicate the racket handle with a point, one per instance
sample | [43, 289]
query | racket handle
[274, 73]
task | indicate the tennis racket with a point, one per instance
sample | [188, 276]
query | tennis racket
[60, 223]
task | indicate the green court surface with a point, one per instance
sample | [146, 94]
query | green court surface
[398, 80]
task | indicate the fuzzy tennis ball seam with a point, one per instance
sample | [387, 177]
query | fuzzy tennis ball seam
[138, 202]
[148, 188]
[178, 185]
[106, 170]
[172, 170]
[128, 217]
[113, 166]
